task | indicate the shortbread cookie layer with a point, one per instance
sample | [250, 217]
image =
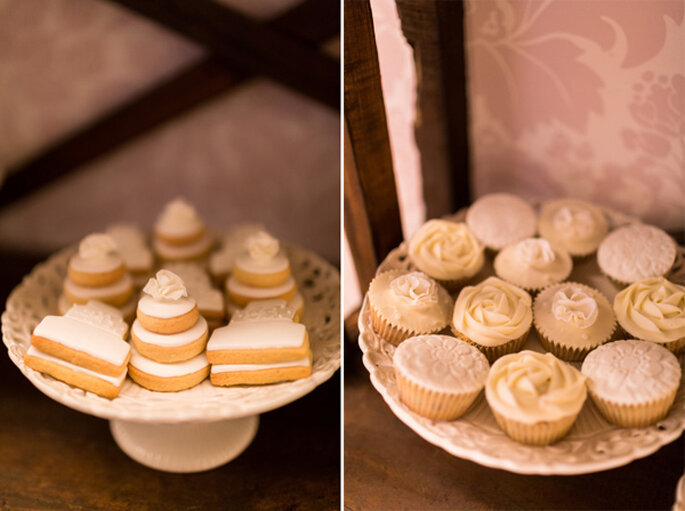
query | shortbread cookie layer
[167, 317]
[174, 347]
[167, 377]
[241, 294]
[259, 374]
[188, 252]
[116, 294]
[82, 277]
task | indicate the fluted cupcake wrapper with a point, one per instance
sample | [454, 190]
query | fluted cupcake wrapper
[393, 334]
[634, 415]
[569, 353]
[433, 404]
[537, 433]
[492, 353]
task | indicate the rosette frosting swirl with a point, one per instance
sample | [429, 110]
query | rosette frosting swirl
[573, 305]
[493, 312]
[532, 387]
[97, 247]
[416, 289]
[166, 286]
[535, 252]
[262, 246]
[446, 250]
[652, 309]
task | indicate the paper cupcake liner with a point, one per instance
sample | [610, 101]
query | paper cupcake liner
[537, 433]
[569, 353]
[433, 404]
[634, 415]
[391, 333]
[492, 353]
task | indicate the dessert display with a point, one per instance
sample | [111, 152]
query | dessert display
[535, 398]
[97, 272]
[84, 348]
[261, 344]
[636, 252]
[632, 382]
[439, 376]
[132, 246]
[446, 251]
[403, 305]
[571, 319]
[500, 219]
[180, 234]
[494, 316]
[576, 226]
[232, 245]
[533, 263]
[210, 301]
[654, 310]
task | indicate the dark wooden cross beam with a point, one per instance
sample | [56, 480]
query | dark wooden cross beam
[311, 23]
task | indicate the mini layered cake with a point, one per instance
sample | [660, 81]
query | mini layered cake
[210, 301]
[262, 272]
[232, 245]
[180, 234]
[262, 344]
[97, 272]
[133, 248]
[168, 337]
[84, 348]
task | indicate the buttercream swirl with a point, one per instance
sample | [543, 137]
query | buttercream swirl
[652, 309]
[532, 387]
[446, 250]
[179, 215]
[535, 252]
[574, 222]
[262, 246]
[493, 312]
[97, 247]
[573, 305]
[166, 286]
[416, 289]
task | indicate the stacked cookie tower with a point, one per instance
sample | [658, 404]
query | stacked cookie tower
[168, 337]
[97, 272]
[232, 245]
[262, 272]
[262, 344]
[84, 348]
[210, 301]
[180, 234]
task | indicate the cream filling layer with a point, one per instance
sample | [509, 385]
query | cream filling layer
[170, 340]
[114, 380]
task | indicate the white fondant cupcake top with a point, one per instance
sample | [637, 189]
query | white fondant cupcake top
[652, 309]
[97, 253]
[533, 263]
[636, 252]
[531, 387]
[446, 250]
[574, 225]
[500, 219]
[632, 371]
[441, 363]
[178, 219]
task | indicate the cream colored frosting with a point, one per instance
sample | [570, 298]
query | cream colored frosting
[632, 371]
[493, 312]
[99, 315]
[410, 301]
[179, 218]
[500, 219]
[442, 363]
[574, 315]
[530, 387]
[652, 309]
[96, 253]
[533, 263]
[166, 286]
[262, 246]
[576, 226]
[446, 250]
[257, 335]
[170, 340]
[636, 252]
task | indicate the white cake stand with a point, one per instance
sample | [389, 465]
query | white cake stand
[199, 428]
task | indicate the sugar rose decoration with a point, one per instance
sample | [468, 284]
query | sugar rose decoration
[535, 252]
[167, 286]
[97, 246]
[573, 305]
[574, 223]
[262, 246]
[416, 289]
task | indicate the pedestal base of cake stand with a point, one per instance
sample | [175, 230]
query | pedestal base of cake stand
[184, 447]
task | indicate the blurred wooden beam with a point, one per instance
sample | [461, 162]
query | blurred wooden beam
[189, 88]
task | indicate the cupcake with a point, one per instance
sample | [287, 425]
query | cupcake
[535, 398]
[494, 316]
[633, 383]
[446, 251]
[439, 376]
[575, 226]
[404, 305]
[500, 219]
[636, 252]
[533, 264]
[653, 310]
[571, 319]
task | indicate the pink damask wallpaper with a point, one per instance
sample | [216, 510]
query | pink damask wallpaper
[580, 98]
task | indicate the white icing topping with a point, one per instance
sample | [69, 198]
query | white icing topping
[259, 293]
[441, 363]
[114, 380]
[262, 246]
[531, 387]
[100, 315]
[652, 309]
[96, 253]
[171, 370]
[631, 371]
[132, 247]
[416, 289]
[535, 252]
[166, 286]
[573, 305]
[233, 244]
[533, 263]
[178, 218]
[235, 368]
[121, 286]
[84, 337]
[253, 335]
[265, 310]
[151, 307]
[185, 251]
[493, 312]
[636, 252]
[500, 219]
[170, 340]
[574, 222]
[199, 286]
